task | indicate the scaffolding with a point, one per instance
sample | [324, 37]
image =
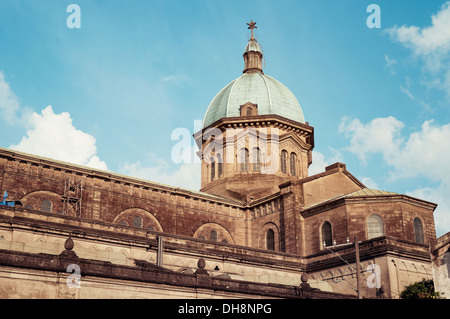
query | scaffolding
[72, 197]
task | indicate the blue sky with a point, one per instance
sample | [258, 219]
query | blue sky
[111, 93]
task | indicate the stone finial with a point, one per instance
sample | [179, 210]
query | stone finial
[68, 252]
[201, 267]
[304, 286]
[304, 278]
[201, 263]
[68, 245]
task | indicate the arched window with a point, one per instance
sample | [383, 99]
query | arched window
[256, 159]
[292, 161]
[418, 230]
[219, 165]
[46, 206]
[270, 240]
[248, 109]
[213, 169]
[137, 221]
[244, 159]
[283, 159]
[326, 234]
[374, 226]
[213, 235]
[150, 228]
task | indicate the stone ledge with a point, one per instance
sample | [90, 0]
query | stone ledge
[106, 270]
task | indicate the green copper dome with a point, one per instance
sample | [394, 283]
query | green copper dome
[271, 96]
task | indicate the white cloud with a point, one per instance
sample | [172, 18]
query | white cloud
[9, 102]
[369, 182]
[175, 78]
[431, 44]
[49, 134]
[389, 61]
[423, 154]
[407, 92]
[429, 40]
[54, 136]
[390, 64]
[381, 135]
[319, 161]
[157, 170]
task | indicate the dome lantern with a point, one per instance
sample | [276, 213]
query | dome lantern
[252, 55]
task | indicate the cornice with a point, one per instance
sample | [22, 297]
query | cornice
[257, 121]
[342, 200]
[369, 249]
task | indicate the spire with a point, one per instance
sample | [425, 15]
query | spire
[252, 55]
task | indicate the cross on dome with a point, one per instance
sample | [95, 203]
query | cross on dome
[252, 25]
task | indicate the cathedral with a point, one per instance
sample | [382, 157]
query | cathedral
[259, 227]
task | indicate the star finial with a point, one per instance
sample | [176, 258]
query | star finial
[252, 25]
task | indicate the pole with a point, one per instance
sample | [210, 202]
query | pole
[159, 257]
[358, 272]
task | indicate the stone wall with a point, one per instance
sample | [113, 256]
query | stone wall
[440, 257]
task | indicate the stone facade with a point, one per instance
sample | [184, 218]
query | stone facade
[117, 219]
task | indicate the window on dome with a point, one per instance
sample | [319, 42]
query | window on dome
[249, 109]
[219, 165]
[244, 159]
[283, 159]
[292, 161]
[213, 169]
[256, 159]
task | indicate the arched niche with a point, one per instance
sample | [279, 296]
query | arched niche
[214, 232]
[139, 218]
